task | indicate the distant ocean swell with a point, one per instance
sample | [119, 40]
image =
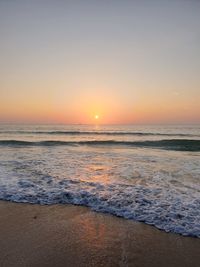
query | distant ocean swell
[171, 144]
[115, 133]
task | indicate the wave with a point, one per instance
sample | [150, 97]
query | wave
[171, 144]
[98, 133]
[167, 210]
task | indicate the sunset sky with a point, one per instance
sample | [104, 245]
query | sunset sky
[124, 61]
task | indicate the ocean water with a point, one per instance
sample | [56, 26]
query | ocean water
[145, 173]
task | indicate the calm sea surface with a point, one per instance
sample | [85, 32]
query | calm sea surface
[145, 173]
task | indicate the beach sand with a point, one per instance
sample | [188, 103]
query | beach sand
[67, 235]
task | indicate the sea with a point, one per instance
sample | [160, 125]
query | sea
[144, 173]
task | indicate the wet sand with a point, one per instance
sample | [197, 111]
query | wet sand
[67, 235]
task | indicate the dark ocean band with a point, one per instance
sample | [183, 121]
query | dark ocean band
[172, 144]
[97, 133]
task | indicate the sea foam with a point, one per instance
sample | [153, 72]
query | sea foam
[135, 176]
[167, 209]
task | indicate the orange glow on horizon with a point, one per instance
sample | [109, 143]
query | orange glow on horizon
[98, 106]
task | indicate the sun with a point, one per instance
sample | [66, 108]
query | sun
[96, 117]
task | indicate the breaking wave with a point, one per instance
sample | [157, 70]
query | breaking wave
[171, 144]
[115, 133]
[166, 209]
[129, 171]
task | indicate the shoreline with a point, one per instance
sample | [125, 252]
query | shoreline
[69, 235]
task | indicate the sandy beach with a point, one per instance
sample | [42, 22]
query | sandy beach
[67, 235]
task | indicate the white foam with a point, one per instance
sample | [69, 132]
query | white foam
[160, 189]
[168, 210]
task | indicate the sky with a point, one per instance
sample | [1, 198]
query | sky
[123, 61]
